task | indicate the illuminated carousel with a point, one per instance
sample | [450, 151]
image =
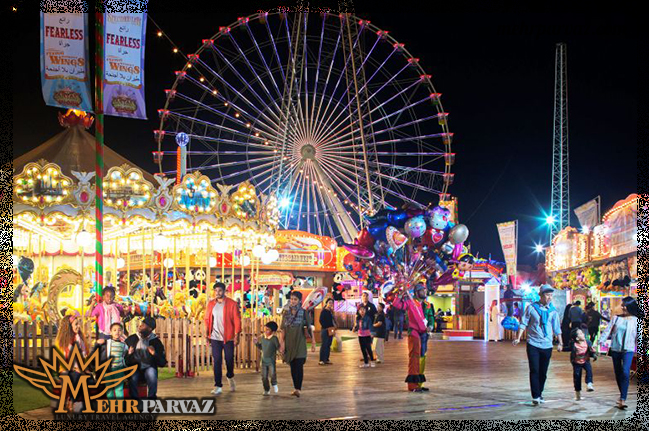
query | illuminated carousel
[164, 240]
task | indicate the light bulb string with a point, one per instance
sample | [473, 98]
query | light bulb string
[176, 49]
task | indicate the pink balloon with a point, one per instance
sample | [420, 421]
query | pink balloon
[359, 251]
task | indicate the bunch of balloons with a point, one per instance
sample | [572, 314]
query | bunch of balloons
[409, 246]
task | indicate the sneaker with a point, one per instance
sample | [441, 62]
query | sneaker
[425, 389]
[329, 363]
[542, 400]
[233, 386]
[536, 401]
[378, 361]
[578, 396]
[266, 393]
[590, 387]
[275, 388]
[321, 363]
[364, 366]
[372, 364]
[216, 391]
[417, 390]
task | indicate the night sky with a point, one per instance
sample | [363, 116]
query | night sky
[496, 74]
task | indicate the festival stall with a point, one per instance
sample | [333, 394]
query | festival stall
[599, 265]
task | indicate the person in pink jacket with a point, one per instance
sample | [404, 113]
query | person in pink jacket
[417, 329]
[106, 312]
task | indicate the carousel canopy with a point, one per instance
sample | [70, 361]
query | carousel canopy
[74, 150]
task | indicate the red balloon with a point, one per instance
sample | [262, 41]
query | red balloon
[365, 239]
[427, 239]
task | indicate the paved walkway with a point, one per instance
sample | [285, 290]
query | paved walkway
[467, 380]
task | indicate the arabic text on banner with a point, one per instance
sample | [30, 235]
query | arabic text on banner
[588, 213]
[507, 233]
[124, 38]
[65, 76]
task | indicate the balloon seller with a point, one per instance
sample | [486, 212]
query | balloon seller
[417, 336]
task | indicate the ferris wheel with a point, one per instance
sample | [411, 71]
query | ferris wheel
[326, 111]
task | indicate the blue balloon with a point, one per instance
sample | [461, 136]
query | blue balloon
[398, 218]
[378, 217]
[377, 230]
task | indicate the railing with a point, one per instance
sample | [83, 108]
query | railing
[477, 324]
[187, 348]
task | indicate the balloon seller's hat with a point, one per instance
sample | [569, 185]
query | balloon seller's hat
[546, 288]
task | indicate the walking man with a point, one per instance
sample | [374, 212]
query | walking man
[542, 321]
[223, 323]
[577, 316]
[398, 323]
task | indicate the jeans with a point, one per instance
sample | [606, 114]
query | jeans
[74, 378]
[438, 325]
[325, 348]
[366, 348]
[424, 344]
[268, 371]
[576, 374]
[297, 372]
[151, 376]
[398, 327]
[622, 366]
[218, 348]
[539, 361]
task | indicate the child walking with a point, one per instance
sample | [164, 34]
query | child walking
[116, 348]
[582, 351]
[269, 346]
[364, 326]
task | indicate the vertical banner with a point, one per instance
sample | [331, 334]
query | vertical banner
[65, 76]
[124, 38]
[588, 213]
[508, 233]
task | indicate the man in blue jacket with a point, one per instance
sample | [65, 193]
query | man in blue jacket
[542, 322]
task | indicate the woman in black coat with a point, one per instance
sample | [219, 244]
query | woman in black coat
[565, 329]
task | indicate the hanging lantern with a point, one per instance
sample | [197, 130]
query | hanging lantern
[221, 246]
[160, 242]
[258, 250]
[84, 239]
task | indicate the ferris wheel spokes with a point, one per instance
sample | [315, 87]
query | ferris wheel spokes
[268, 104]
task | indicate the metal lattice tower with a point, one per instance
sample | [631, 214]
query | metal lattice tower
[560, 206]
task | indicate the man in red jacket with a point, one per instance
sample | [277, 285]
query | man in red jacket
[223, 324]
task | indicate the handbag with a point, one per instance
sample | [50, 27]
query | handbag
[609, 351]
[331, 331]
